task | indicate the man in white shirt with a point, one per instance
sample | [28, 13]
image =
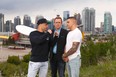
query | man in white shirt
[72, 53]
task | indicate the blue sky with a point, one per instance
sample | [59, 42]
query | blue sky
[49, 8]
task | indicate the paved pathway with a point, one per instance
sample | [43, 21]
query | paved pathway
[5, 52]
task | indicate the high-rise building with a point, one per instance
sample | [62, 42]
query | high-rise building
[36, 19]
[78, 18]
[92, 20]
[2, 22]
[51, 25]
[101, 27]
[107, 22]
[8, 26]
[66, 14]
[88, 20]
[113, 28]
[27, 20]
[79, 22]
[17, 21]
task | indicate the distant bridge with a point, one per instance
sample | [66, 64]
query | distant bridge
[6, 33]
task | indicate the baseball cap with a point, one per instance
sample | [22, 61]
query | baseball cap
[41, 21]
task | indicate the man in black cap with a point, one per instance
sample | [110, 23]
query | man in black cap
[40, 49]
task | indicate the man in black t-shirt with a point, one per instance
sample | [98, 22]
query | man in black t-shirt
[40, 49]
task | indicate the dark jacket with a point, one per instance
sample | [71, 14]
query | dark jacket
[40, 46]
[61, 42]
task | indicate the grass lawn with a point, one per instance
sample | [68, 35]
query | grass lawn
[106, 69]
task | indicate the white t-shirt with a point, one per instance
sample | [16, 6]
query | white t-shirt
[73, 36]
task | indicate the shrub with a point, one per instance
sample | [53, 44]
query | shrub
[26, 58]
[89, 54]
[7, 69]
[24, 67]
[14, 60]
[93, 53]
[12, 70]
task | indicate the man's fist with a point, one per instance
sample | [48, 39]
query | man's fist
[50, 31]
[66, 59]
[56, 33]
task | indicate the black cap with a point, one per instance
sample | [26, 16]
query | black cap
[41, 21]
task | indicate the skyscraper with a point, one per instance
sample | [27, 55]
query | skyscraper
[113, 28]
[1, 22]
[51, 25]
[78, 17]
[8, 27]
[88, 20]
[37, 18]
[27, 20]
[17, 21]
[101, 27]
[107, 22]
[79, 21]
[66, 14]
[92, 20]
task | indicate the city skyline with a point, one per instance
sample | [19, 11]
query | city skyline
[49, 9]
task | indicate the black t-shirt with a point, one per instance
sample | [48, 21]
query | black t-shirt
[40, 46]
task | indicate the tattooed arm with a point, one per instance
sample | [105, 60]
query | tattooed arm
[72, 49]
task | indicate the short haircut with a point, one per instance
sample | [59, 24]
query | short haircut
[58, 17]
[71, 18]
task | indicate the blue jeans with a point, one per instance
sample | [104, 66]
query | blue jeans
[73, 67]
[34, 67]
[57, 66]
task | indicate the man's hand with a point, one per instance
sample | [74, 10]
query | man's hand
[50, 31]
[56, 33]
[66, 59]
[64, 55]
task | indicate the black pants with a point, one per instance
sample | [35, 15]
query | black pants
[57, 65]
